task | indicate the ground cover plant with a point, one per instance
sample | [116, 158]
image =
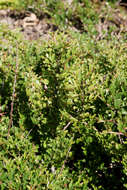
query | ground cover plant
[63, 101]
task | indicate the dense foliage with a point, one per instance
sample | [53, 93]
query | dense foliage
[63, 107]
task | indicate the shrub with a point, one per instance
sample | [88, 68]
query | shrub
[63, 113]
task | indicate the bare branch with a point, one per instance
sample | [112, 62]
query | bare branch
[67, 126]
[13, 96]
[65, 160]
[116, 133]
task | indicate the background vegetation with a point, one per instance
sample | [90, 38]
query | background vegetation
[63, 102]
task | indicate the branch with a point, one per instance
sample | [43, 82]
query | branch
[65, 160]
[13, 96]
[116, 133]
[67, 126]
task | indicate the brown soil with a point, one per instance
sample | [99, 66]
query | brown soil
[114, 22]
[28, 23]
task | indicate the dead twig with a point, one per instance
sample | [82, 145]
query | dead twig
[1, 114]
[123, 4]
[65, 159]
[67, 126]
[29, 133]
[119, 135]
[13, 96]
[116, 133]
